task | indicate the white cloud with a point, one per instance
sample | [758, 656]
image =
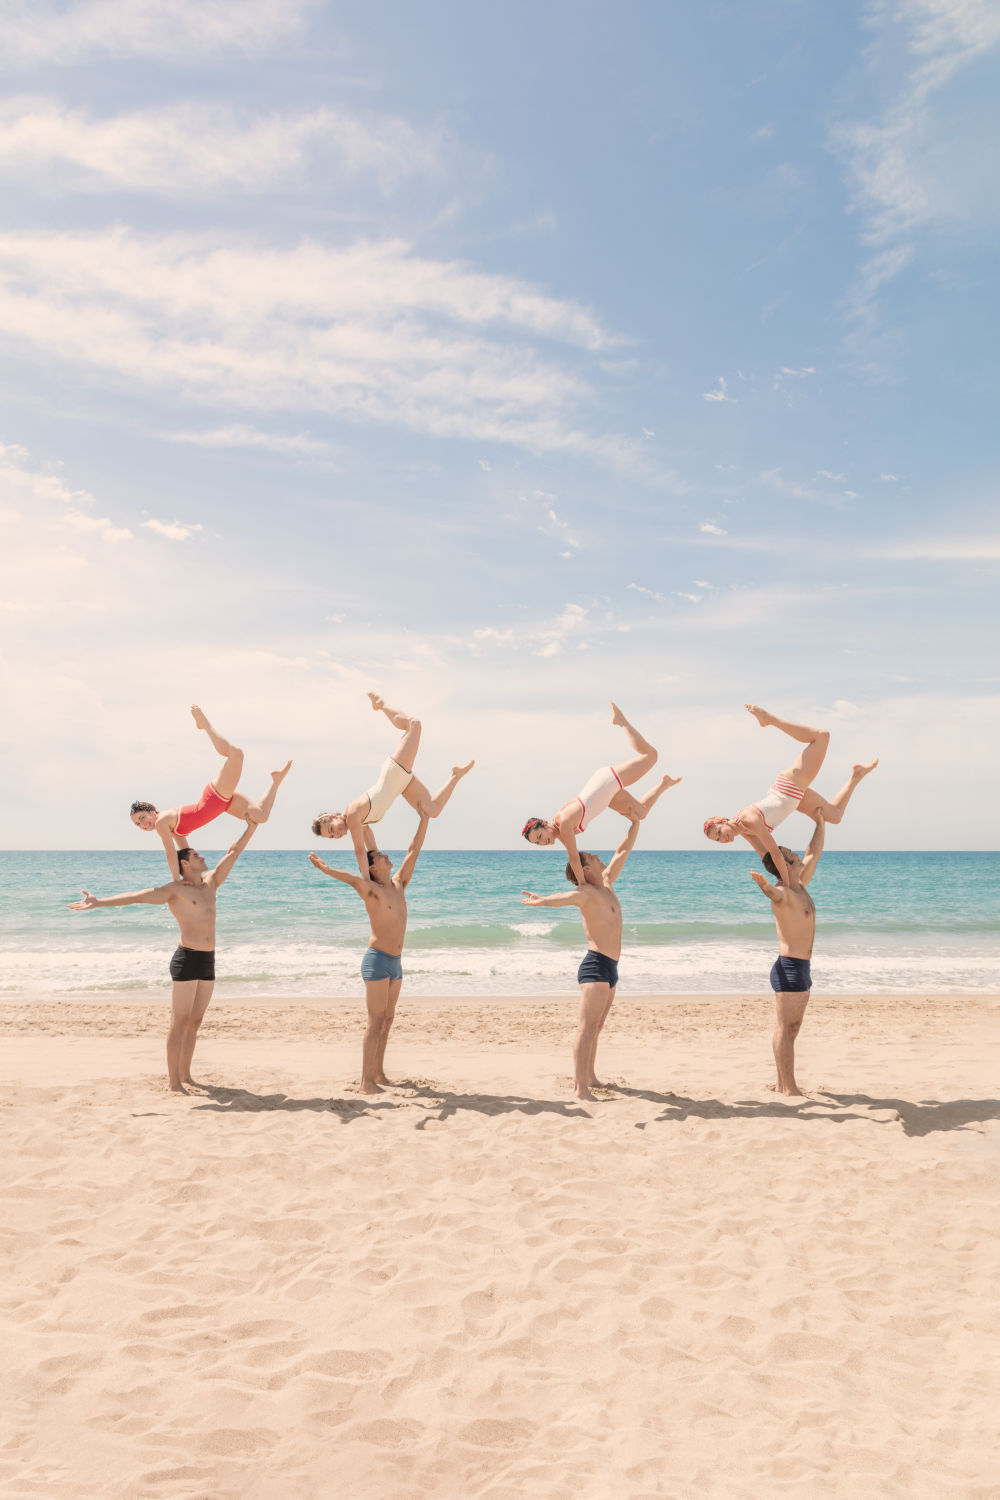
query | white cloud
[239, 435]
[720, 394]
[196, 148]
[890, 478]
[485, 465]
[804, 370]
[651, 593]
[711, 528]
[691, 598]
[40, 32]
[76, 520]
[172, 530]
[371, 333]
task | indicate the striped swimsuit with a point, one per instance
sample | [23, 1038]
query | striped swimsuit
[782, 798]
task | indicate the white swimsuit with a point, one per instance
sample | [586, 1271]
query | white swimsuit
[596, 795]
[392, 780]
[782, 798]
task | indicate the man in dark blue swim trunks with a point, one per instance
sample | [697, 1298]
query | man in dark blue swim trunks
[384, 894]
[597, 975]
[795, 919]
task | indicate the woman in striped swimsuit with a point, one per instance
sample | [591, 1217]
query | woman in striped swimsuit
[789, 790]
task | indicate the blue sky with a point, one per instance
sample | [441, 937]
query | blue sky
[505, 360]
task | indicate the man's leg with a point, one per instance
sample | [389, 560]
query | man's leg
[395, 985]
[258, 812]
[644, 760]
[833, 810]
[377, 1000]
[406, 752]
[195, 1017]
[182, 1002]
[816, 742]
[791, 1007]
[228, 778]
[637, 807]
[595, 1082]
[594, 1003]
[419, 797]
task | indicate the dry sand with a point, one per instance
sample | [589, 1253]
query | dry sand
[471, 1287]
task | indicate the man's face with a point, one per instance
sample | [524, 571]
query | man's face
[381, 868]
[333, 826]
[722, 832]
[543, 834]
[144, 820]
[791, 858]
[593, 868]
[194, 864]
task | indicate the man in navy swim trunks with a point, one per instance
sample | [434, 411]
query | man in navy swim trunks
[597, 975]
[795, 919]
[384, 894]
[191, 899]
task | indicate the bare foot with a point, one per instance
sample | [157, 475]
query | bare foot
[617, 717]
[595, 1083]
[377, 703]
[177, 1088]
[369, 1088]
[462, 770]
[584, 1094]
[760, 714]
[860, 771]
[669, 781]
[278, 776]
[381, 1078]
[775, 1088]
[198, 716]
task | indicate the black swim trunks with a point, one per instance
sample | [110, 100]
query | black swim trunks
[597, 968]
[192, 963]
[791, 974]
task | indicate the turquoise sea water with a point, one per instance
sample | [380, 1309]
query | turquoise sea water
[693, 921]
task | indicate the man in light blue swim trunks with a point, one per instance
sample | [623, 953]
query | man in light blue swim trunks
[597, 975]
[384, 894]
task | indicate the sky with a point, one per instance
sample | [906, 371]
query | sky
[505, 360]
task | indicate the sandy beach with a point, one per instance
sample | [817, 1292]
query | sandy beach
[484, 1290]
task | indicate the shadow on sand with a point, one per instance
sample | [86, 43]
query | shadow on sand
[438, 1103]
[916, 1118]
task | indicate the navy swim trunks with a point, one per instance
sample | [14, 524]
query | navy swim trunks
[791, 974]
[597, 968]
[379, 965]
[192, 963]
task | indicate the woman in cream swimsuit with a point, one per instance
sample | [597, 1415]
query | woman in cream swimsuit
[789, 790]
[395, 779]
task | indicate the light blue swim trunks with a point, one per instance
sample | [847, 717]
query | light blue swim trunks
[379, 965]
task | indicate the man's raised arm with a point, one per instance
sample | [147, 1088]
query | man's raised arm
[409, 864]
[361, 883]
[232, 854]
[811, 857]
[156, 896]
[623, 851]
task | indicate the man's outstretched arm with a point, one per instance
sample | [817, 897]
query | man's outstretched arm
[156, 896]
[811, 857]
[561, 898]
[361, 883]
[774, 893]
[409, 864]
[623, 851]
[232, 854]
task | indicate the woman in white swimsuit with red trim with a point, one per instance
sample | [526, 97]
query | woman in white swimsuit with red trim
[606, 788]
[790, 790]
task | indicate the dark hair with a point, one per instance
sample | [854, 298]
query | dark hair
[182, 855]
[570, 874]
[770, 866]
[530, 827]
[371, 857]
[141, 807]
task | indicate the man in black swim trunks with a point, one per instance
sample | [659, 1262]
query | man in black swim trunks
[795, 919]
[597, 975]
[192, 901]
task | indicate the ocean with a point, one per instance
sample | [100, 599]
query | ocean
[694, 921]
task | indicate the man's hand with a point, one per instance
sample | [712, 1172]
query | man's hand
[87, 904]
[819, 815]
[528, 898]
[761, 880]
[321, 864]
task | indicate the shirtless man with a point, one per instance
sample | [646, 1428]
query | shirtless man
[191, 899]
[606, 788]
[395, 778]
[219, 796]
[789, 790]
[597, 975]
[795, 919]
[384, 894]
